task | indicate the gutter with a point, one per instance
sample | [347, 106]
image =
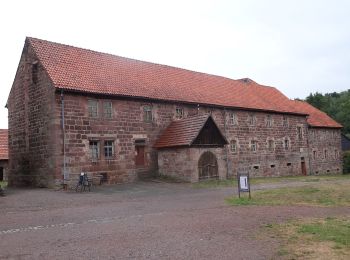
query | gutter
[65, 175]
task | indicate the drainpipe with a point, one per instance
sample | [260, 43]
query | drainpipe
[64, 140]
[308, 150]
[225, 129]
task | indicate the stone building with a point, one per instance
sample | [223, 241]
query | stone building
[73, 110]
[3, 154]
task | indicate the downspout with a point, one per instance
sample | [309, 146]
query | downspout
[308, 150]
[65, 177]
[225, 129]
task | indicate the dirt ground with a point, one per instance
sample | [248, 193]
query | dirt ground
[145, 220]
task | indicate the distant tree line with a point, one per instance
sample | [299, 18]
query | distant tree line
[336, 105]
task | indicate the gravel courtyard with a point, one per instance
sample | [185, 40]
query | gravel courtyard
[145, 220]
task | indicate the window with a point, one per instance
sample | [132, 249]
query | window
[109, 149]
[268, 120]
[93, 108]
[336, 154]
[251, 119]
[179, 113]
[271, 145]
[94, 150]
[233, 146]
[299, 132]
[233, 119]
[147, 114]
[314, 155]
[285, 121]
[35, 72]
[254, 146]
[286, 144]
[107, 109]
[325, 154]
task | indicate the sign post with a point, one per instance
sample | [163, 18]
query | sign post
[243, 184]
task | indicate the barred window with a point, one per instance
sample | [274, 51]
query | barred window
[107, 109]
[326, 154]
[285, 121]
[233, 146]
[286, 144]
[94, 150]
[300, 132]
[179, 113]
[147, 113]
[314, 155]
[109, 148]
[254, 146]
[268, 120]
[93, 108]
[233, 119]
[251, 119]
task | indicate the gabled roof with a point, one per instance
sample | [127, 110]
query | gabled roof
[83, 70]
[184, 132]
[4, 144]
[316, 117]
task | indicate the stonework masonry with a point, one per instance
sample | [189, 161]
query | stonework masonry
[119, 145]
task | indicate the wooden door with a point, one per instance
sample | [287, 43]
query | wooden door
[303, 168]
[207, 166]
[140, 156]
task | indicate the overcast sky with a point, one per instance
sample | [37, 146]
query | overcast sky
[296, 46]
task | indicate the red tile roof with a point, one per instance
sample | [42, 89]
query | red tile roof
[182, 132]
[4, 144]
[82, 70]
[316, 117]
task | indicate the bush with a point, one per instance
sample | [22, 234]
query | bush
[346, 163]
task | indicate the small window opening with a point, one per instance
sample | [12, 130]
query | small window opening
[289, 164]
[272, 165]
[256, 167]
[35, 72]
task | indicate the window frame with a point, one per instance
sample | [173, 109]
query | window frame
[234, 144]
[108, 146]
[252, 119]
[285, 122]
[269, 122]
[147, 113]
[94, 150]
[108, 109]
[300, 132]
[179, 113]
[253, 146]
[91, 112]
[286, 144]
[233, 118]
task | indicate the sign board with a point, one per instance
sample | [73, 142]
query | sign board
[243, 184]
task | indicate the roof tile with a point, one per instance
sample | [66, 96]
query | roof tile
[84, 70]
[316, 117]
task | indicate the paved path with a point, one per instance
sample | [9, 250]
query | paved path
[138, 221]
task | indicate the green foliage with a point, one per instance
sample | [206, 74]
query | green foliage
[331, 229]
[336, 105]
[315, 194]
[346, 163]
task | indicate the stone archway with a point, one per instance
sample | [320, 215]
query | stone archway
[207, 166]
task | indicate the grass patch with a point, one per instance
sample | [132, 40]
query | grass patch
[264, 180]
[312, 238]
[3, 184]
[316, 194]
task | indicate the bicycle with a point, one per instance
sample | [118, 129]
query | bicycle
[83, 183]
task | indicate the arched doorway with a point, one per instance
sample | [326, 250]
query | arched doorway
[207, 166]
